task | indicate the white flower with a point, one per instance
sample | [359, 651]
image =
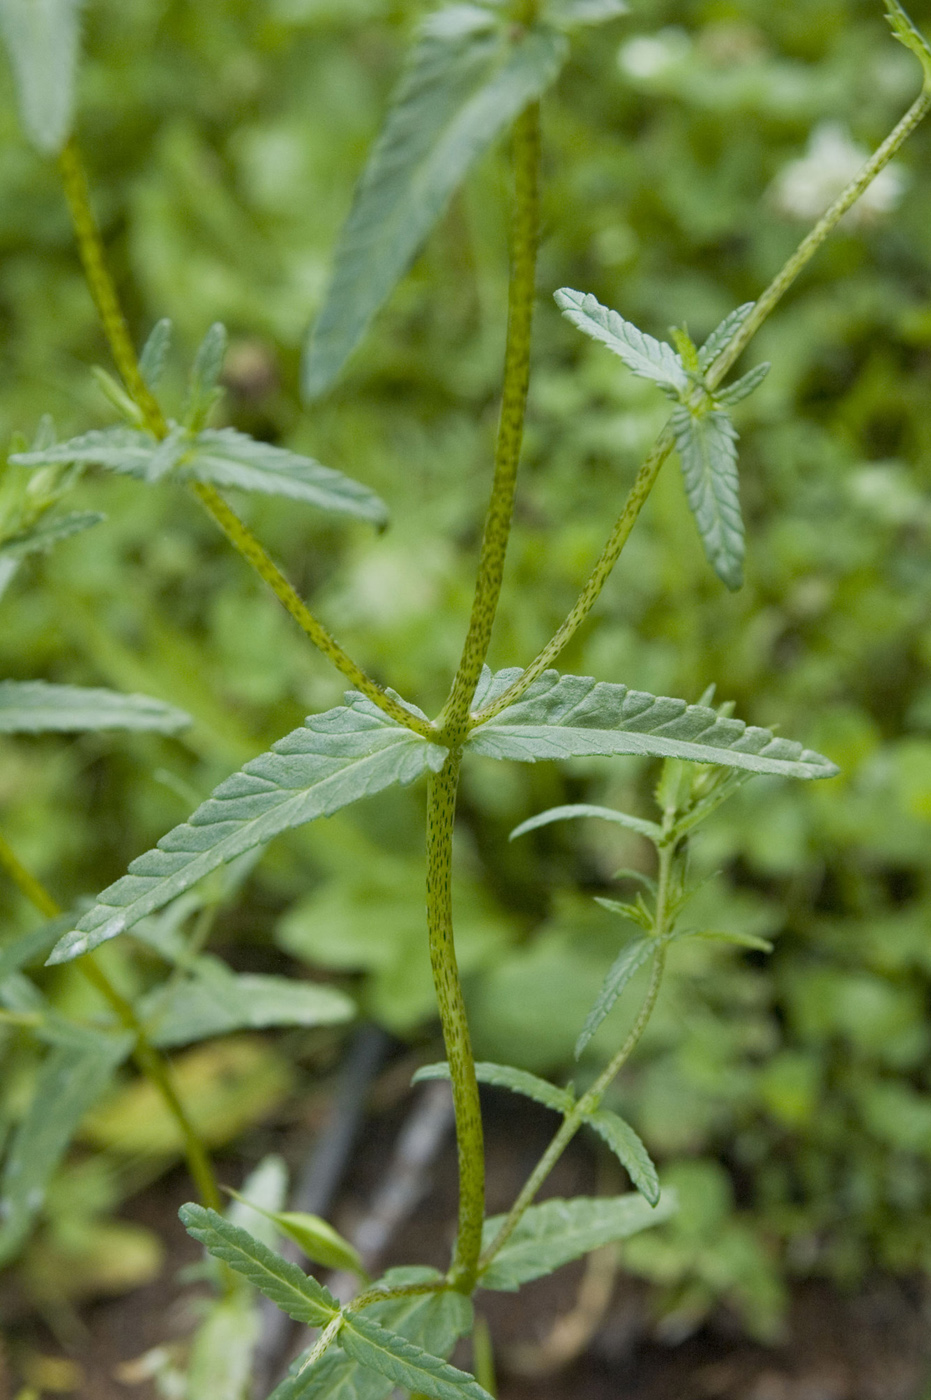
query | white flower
[806, 187]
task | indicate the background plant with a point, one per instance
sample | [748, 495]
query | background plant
[763, 1094]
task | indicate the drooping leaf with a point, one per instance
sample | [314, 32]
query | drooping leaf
[35, 707]
[628, 962]
[520, 1081]
[742, 388]
[333, 759]
[205, 374]
[468, 76]
[574, 716]
[221, 456]
[573, 14]
[214, 1001]
[289, 1288]
[404, 1363]
[433, 1321]
[71, 1078]
[629, 1150]
[644, 356]
[707, 446]
[723, 333]
[552, 1234]
[43, 39]
[47, 532]
[650, 830]
[152, 358]
[220, 1364]
[312, 1234]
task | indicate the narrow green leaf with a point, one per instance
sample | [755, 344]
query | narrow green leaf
[629, 1150]
[909, 35]
[637, 912]
[117, 397]
[228, 458]
[71, 1078]
[334, 759]
[573, 14]
[649, 358]
[723, 334]
[220, 1364]
[152, 359]
[126, 450]
[433, 1321]
[312, 1234]
[740, 940]
[742, 388]
[507, 1077]
[47, 532]
[707, 446]
[404, 1363]
[289, 1288]
[214, 1001]
[574, 716]
[35, 707]
[552, 1234]
[205, 374]
[43, 38]
[628, 962]
[468, 76]
[587, 809]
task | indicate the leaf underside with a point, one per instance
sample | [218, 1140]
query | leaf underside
[629, 1150]
[334, 759]
[467, 78]
[519, 1081]
[36, 707]
[571, 810]
[552, 1234]
[707, 446]
[575, 716]
[644, 356]
[43, 40]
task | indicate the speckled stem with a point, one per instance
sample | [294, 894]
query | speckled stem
[103, 291]
[441, 814]
[650, 468]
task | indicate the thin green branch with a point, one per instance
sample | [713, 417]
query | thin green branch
[650, 468]
[441, 815]
[590, 1100]
[103, 291]
[151, 1064]
[524, 237]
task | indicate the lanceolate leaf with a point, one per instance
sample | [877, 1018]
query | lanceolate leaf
[221, 456]
[289, 1288]
[507, 1077]
[332, 760]
[742, 388]
[215, 1001]
[49, 531]
[573, 716]
[707, 445]
[629, 1150]
[468, 76]
[35, 707]
[433, 1321]
[72, 1077]
[554, 1233]
[313, 1235]
[721, 334]
[650, 830]
[406, 1364]
[628, 962]
[43, 38]
[651, 359]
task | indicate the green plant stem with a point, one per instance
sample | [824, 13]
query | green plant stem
[150, 1063]
[590, 1100]
[441, 815]
[103, 292]
[497, 529]
[650, 468]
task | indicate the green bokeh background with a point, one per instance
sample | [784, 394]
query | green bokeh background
[787, 1097]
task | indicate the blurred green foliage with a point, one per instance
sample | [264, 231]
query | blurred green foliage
[788, 1097]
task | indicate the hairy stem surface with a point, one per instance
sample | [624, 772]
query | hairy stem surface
[151, 1064]
[441, 814]
[650, 468]
[103, 292]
